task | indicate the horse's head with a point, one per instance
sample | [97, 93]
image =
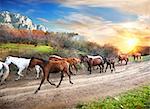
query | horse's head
[83, 59]
[8, 60]
[32, 63]
[35, 61]
[77, 60]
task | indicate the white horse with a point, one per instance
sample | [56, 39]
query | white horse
[4, 71]
[21, 63]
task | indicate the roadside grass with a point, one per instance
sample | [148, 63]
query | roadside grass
[144, 58]
[135, 99]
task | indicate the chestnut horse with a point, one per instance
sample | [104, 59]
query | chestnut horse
[110, 61]
[122, 57]
[72, 61]
[136, 56]
[93, 62]
[51, 67]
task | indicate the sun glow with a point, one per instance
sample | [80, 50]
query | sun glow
[132, 42]
[128, 44]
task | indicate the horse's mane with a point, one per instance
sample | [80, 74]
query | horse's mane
[39, 59]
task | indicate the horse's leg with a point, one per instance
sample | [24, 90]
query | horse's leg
[75, 68]
[43, 78]
[127, 61]
[5, 75]
[100, 68]
[70, 66]
[113, 65]
[62, 76]
[106, 67]
[118, 61]
[140, 58]
[1, 72]
[19, 74]
[69, 78]
[90, 69]
[110, 68]
[49, 80]
[37, 68]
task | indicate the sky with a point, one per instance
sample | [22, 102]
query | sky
[101, 21]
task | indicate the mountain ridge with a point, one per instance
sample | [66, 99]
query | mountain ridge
[18, 21]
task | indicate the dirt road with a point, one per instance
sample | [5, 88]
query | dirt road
[19, 94]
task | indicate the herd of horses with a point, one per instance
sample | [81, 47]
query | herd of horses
[57, 64]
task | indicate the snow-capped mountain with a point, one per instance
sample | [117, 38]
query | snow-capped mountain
[16, 20]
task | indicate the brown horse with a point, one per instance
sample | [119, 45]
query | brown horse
[51, 67]
[122, 57]
[72, 61]
[136, 56]
[93, 62]
[110, 61]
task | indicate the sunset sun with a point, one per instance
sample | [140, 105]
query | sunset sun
[132, 42]
[129, 44]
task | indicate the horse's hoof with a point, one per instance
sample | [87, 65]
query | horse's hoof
[37, 78]
[21, 75]
[35, 92]
[71, 82]
[54, 84]
[16, 79]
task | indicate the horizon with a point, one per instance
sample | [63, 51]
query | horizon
[113, 21]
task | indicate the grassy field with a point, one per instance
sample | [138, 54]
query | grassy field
[23, 49]
[134, 99]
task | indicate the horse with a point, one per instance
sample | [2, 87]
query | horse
[4, 72]
[136, 56]
[51, 67]
[110, 61]
[122, 57]
[93, 62]
[71, 60]
[21, 63]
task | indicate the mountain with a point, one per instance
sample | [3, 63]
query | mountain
[18, 21]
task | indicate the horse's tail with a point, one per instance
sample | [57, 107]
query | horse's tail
[5, 73]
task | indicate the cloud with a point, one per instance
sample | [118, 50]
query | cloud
[43, 20]
[141, 7]
[29, 11]
[92, 27]
[97, 29]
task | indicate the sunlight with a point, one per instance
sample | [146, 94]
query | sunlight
[128, 44]
[132, 42]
